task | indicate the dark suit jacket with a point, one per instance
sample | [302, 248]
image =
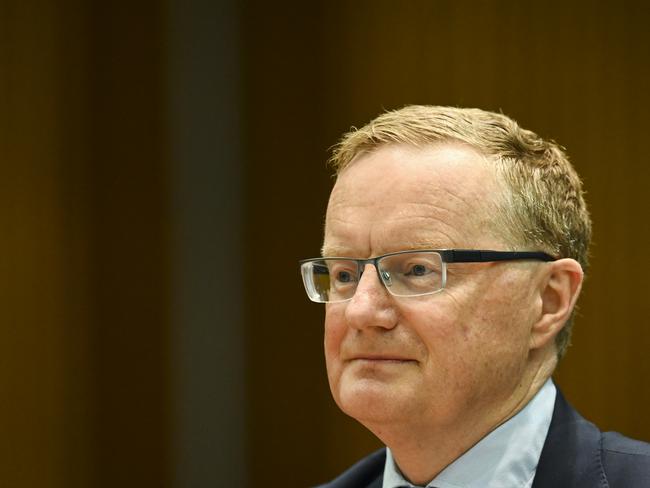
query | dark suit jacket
[575, 455]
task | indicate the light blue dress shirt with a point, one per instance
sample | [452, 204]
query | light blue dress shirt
[505, 458]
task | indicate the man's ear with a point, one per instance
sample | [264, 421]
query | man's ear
[559, 290]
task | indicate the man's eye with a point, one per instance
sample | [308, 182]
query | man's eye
[344, 276]
[418, 270]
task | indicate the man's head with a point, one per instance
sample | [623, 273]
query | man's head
[441, 178]
[542, 205]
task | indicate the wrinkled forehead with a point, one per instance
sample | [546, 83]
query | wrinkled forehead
[401, 196]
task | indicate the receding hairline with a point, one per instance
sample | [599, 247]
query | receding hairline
[421, 124]
[450, 142]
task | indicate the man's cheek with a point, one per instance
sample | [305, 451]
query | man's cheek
[334, 330]
[332, 345]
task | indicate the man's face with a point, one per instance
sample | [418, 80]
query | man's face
[444, 358]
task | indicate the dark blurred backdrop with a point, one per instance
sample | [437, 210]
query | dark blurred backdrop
[162, 171]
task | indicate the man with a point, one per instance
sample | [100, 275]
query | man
[453, 256]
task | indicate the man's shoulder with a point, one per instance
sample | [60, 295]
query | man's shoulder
[616, 443]
[625, 459]
[366, 473]
[577, 454]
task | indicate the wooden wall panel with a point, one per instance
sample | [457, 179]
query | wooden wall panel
[574, 72]
[130, 240]
[83, 252]
[283, 79]
[43, 380]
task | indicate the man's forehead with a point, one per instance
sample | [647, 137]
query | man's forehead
[408, 198]
[387, 231]
[411, 172]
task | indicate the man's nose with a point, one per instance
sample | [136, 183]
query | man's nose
[372, 305]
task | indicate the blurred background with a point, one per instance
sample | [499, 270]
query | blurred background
[163, 170]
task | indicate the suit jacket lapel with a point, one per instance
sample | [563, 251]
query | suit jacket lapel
[571, 456]
[377, 482]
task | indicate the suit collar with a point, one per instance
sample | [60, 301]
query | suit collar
[572, 452]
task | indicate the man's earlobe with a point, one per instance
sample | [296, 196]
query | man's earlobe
[559, 292]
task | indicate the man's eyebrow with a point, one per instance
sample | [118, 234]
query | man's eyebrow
[334, 250]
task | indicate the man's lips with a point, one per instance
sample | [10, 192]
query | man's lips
[395, 358]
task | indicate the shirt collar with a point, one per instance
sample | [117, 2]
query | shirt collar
[507, 457]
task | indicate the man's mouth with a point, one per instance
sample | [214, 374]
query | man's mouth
[381, 358]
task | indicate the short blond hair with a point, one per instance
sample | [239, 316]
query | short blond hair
[544, 208]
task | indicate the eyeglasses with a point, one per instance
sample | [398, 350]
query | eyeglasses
[404, 273]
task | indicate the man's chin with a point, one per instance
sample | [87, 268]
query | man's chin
[371, 401]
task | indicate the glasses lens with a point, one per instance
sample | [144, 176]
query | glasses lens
[412, 273]
[330, 280]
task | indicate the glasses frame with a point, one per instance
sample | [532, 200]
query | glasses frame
[446, 255]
